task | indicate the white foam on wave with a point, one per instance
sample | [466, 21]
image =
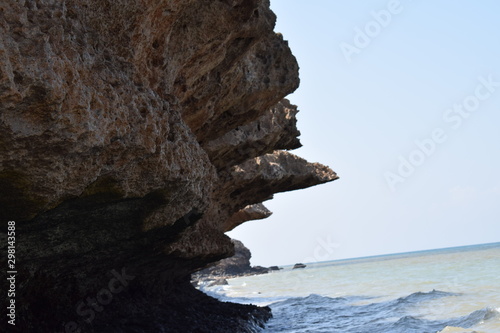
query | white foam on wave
[451, 329]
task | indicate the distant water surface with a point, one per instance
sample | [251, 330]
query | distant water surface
[416, 292]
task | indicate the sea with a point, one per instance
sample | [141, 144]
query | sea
[446, 290]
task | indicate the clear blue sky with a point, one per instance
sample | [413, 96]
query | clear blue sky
[402, 100]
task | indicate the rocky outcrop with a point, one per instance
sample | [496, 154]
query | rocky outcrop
[250, 212]
[228, 268]
[133, 134]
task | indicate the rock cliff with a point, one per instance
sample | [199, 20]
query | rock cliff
[133, 134]
[228, 268]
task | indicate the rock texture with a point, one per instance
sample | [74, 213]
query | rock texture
[228, 268]
[250, 212]
[133, 134]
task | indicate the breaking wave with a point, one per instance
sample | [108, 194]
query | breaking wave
[320, 314]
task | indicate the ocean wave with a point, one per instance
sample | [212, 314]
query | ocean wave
[220, 293]
[321, 314]
[476, 317]
[409, 324]
[420, 296]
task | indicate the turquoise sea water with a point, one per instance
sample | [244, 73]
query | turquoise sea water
[446, 290]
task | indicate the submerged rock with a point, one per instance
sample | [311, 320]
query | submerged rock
[218, 282]
[299, 265]
[133, 135]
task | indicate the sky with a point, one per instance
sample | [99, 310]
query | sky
[402, 100]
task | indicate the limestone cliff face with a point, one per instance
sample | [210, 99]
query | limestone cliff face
[235, 266]
[133, 134]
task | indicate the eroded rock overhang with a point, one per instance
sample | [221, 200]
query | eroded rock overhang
[135, 133]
